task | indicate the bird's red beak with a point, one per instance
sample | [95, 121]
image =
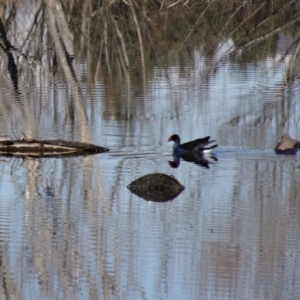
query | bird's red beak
[170, 138]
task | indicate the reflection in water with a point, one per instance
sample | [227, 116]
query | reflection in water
[195, 157]
[69, 228]
[227, 230]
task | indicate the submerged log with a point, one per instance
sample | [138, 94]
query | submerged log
[156, 187]
[41, 148]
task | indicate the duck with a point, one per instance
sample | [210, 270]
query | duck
[287, 145]
[202, 145]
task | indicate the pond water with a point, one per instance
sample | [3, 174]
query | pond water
[71, 229]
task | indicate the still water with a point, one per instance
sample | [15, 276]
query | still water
[70, 228]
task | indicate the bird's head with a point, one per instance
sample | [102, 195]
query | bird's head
[174, 138]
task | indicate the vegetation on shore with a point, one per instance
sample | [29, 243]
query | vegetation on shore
[121, 42]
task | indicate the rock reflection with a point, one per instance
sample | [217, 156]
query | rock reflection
[156, 187]
[196, 158]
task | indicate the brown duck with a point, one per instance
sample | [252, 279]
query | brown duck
[287, 145]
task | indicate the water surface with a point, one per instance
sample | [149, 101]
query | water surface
[70, 228]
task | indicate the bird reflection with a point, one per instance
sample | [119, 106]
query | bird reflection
[196, 158]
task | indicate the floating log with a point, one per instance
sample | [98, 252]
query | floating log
[43, 148]
[156, 187]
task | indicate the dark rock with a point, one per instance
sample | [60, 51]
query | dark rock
[156, 187]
